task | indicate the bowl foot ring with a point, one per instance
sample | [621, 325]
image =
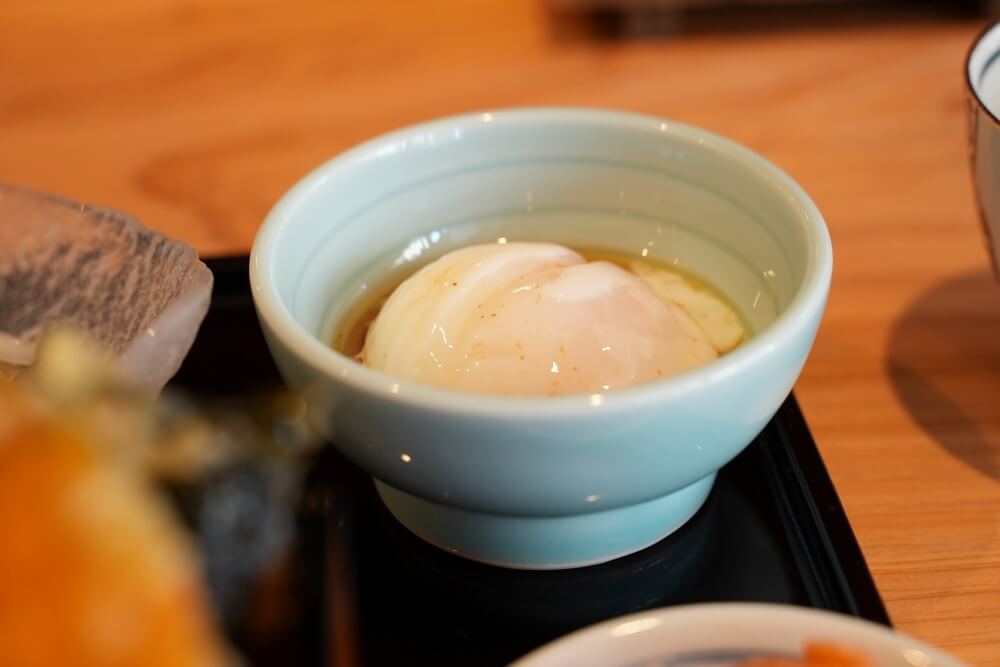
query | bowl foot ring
[542, 542]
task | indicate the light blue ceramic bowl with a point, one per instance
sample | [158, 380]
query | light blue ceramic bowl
[544, 482]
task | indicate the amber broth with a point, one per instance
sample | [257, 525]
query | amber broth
[349, 335]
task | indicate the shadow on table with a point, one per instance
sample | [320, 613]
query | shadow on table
[944, 364]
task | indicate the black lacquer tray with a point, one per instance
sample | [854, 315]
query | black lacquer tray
[355, 587]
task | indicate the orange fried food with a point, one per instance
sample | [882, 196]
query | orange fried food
[820, 654]
[93, 570]
[817, 654]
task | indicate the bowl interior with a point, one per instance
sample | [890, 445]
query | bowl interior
[615, 182]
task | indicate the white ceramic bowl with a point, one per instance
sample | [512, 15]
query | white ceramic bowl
[982, 81]
[722, 635]
[553, 482]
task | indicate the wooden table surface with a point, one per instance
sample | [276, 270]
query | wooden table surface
[196, 115]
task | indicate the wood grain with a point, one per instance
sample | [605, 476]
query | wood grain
[195, 115]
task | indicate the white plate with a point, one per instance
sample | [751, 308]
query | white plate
[720, 635]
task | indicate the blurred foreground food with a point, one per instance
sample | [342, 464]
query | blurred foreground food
[817, 654]
[94, 568]
[134, 291]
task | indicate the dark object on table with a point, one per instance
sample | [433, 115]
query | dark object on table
[649, 18]
[358, 588]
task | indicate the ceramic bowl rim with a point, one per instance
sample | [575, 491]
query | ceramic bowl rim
[970, 87]
[650, 620]
[809, 297]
